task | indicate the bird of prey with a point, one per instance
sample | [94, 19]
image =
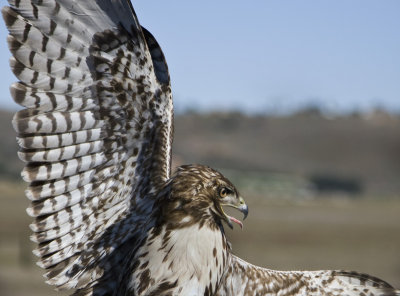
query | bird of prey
[109, 216]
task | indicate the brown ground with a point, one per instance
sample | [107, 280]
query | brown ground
[271, 161]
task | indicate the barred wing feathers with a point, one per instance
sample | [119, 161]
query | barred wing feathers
[95, 131]
[243, 278]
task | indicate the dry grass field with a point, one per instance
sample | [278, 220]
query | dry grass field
[359, 235]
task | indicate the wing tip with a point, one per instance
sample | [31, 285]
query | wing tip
[9, 15]
[26, 176]
[18, 91]
[30, 212]
[36, 252]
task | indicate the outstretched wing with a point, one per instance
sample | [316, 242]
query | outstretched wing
[95, 131]
[242, 278]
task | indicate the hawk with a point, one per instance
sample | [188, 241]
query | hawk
[96, 133]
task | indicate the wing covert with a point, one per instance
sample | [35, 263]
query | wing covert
[96, 130]
[243, 278]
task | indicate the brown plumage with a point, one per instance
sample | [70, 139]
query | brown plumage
[96, 133]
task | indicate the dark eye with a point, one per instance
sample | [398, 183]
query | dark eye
[223, 192]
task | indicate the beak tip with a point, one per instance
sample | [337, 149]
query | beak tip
[243, 208]
[245, 211]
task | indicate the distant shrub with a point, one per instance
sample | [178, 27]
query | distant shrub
[336, 184]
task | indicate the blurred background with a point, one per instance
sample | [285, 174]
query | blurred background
[297, 102]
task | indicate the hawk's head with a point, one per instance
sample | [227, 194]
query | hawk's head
[198, 194]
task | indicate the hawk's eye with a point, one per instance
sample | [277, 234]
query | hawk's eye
[223, 192]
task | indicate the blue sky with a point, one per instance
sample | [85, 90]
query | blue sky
[272, 56]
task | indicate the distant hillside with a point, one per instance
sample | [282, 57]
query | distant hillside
[354, 154]
[360, 154]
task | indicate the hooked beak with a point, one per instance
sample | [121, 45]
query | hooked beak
[238, 204]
